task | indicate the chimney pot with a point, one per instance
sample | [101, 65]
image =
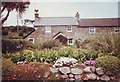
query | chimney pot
[77, 15]
[36, 13]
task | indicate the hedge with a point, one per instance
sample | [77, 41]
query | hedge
[13, 45]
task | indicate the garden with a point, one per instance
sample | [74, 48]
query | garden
[92, 60]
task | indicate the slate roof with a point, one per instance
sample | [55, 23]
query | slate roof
[43, 21]
[99, 22]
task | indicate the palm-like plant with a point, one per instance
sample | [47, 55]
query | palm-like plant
[10, 6]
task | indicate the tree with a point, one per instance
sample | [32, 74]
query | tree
[20, 7]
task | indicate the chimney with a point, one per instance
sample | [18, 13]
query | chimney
[77, 16]
[36, 13]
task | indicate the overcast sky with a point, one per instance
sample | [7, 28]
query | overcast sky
[103, 9]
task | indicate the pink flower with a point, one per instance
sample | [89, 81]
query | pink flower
[14, 78]
[19, 69]
[90, 62]
[35, 71]
[14, 75]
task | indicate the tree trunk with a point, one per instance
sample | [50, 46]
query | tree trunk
[3, 9]
[4, 19]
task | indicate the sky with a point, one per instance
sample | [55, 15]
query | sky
[93, 9]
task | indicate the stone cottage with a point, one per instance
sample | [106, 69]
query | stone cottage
[69, 29]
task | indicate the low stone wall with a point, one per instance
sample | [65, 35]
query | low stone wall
[69, 69]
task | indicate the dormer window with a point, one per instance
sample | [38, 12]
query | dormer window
[69, 28]
[117, 29]
[48, 29]
[92, 30]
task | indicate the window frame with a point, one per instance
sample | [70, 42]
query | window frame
[48, 29]
[92, 30]
[69, 28]
[117, 29]
[70, 41]
[32, 39]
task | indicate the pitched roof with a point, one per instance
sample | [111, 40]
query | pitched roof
[99, 22]
[43, 21]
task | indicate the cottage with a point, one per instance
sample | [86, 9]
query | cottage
[69, 29]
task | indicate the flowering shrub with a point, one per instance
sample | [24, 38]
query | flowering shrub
[31, 71]
[90, 62]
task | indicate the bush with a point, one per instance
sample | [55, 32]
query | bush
[7, 66]
[84, 55]
[21, 33]
[14, 29]
[29, 55]
[110, 64]
[31, 71]
[105, 43]
[4, 32]
[50, 44]
[78, 43]
[86, 44]
[17, 57]
[13, 45]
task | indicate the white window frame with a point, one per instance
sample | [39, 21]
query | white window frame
[31, 41]
[117, 29]
[69, 28]
[70, 42]
[48, 29]
[92, 30]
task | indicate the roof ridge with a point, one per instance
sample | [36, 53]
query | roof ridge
[100, 18]
[57, 17]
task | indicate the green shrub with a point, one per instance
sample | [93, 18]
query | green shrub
[84, 55]
[78, 43]
[50, 44]
[105, 43]
[13, 45]
[4, 32]
[6, 55]
[110, 64]
[17, 57]
[29, 55]
[7, 66]
[14, 29]
[21, 33]
[86, 44]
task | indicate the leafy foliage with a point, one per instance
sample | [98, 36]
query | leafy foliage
[13, 45]
[7, 66]
[10, 6]
[106, 43]
[11, 32]
[50, 44]
[4, 32]
[110, 64]
[51, 55]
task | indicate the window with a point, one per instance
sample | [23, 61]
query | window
[117, 29]
[70, 41]
[92, 30]
[69, 29]
[31, 40]
[48, 29]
